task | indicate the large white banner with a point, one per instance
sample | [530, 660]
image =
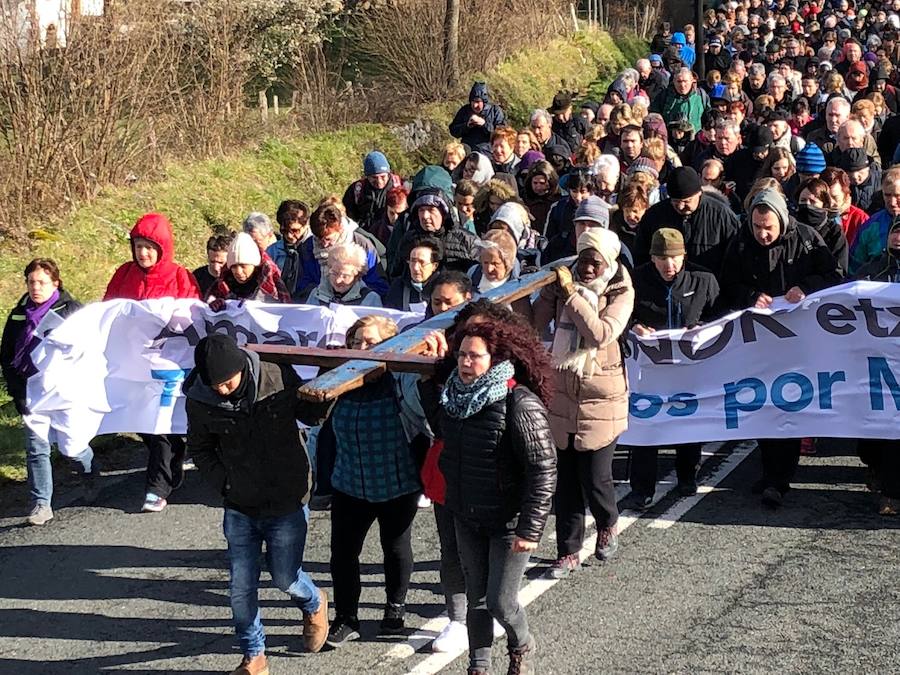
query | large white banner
[118, 366]
[826, 367]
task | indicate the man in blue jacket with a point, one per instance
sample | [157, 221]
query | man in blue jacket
[475, 122]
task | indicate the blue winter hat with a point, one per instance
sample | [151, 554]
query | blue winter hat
[810, 159]
[655, 58]
[375, 162]
[678, 39]
[717, 92]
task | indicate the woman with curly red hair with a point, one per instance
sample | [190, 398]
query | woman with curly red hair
[499, 463]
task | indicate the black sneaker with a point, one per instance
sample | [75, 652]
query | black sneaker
[393, 622]
[686, 489]
[342, 631]
[772, 497]
[638, 502]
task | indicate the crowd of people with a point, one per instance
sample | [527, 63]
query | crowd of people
[668, 203]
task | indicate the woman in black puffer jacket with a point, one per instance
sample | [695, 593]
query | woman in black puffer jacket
[499, 462]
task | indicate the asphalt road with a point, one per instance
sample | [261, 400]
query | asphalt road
[710, 585]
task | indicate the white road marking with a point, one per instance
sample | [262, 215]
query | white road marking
[665, 520]
[535, 588]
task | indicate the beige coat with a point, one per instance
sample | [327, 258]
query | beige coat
[593, 408]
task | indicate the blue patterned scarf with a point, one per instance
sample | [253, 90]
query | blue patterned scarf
[461, 401]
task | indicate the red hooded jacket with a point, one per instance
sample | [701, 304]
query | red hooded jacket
[165, 279]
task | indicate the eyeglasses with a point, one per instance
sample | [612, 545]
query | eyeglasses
[470, 357]
[293, 230]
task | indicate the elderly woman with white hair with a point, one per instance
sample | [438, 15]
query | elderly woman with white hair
[342, 283]
[606, 172]
[591, 304]
[498, 264]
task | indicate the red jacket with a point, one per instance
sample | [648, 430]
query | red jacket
[166, 279]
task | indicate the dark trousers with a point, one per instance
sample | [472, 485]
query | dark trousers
[583, 477]
[493, 576]
[351, 519]
[883, 457]
[644, 461]
[165, 469]
[780, 457]
[453, 581]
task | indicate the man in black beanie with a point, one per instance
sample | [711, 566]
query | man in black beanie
[704, 219]
[243, 437]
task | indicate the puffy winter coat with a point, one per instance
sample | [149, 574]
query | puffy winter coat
[593, 408]
[165, 279]
[500, 465]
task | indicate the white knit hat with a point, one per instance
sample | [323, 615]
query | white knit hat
[243, 251]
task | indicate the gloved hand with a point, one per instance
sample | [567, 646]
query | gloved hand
[564, 281]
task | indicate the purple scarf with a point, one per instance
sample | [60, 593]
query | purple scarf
[26, 341]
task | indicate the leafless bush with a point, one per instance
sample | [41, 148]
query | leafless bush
[401, 45]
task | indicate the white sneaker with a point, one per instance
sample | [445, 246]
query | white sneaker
[153, 503]
[499, 631]
[454, 638]
[41, 514]
[424, 502]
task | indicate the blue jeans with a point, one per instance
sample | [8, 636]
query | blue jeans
[40, 472]
[285, 538]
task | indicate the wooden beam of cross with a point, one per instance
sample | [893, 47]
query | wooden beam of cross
[394, 354]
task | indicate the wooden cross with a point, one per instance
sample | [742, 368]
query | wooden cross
[352, 368]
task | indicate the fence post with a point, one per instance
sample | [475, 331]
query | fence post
[295, 100]
[275, 104]
[574, 15]
[263, 107]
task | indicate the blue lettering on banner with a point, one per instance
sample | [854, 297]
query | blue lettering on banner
[680, 405]
[806, 392]
[733, 406]
[880, 370]
[170, 379]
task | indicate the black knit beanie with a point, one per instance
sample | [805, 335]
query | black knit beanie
[683, 182]
[218, 358]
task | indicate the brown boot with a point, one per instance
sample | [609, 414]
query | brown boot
[252, 665]
[315, 626]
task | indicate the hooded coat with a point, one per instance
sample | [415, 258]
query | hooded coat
[798, 257]
[870, 240]
[594, 408]
[166, 279]
[493, 117]
[458, 244]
